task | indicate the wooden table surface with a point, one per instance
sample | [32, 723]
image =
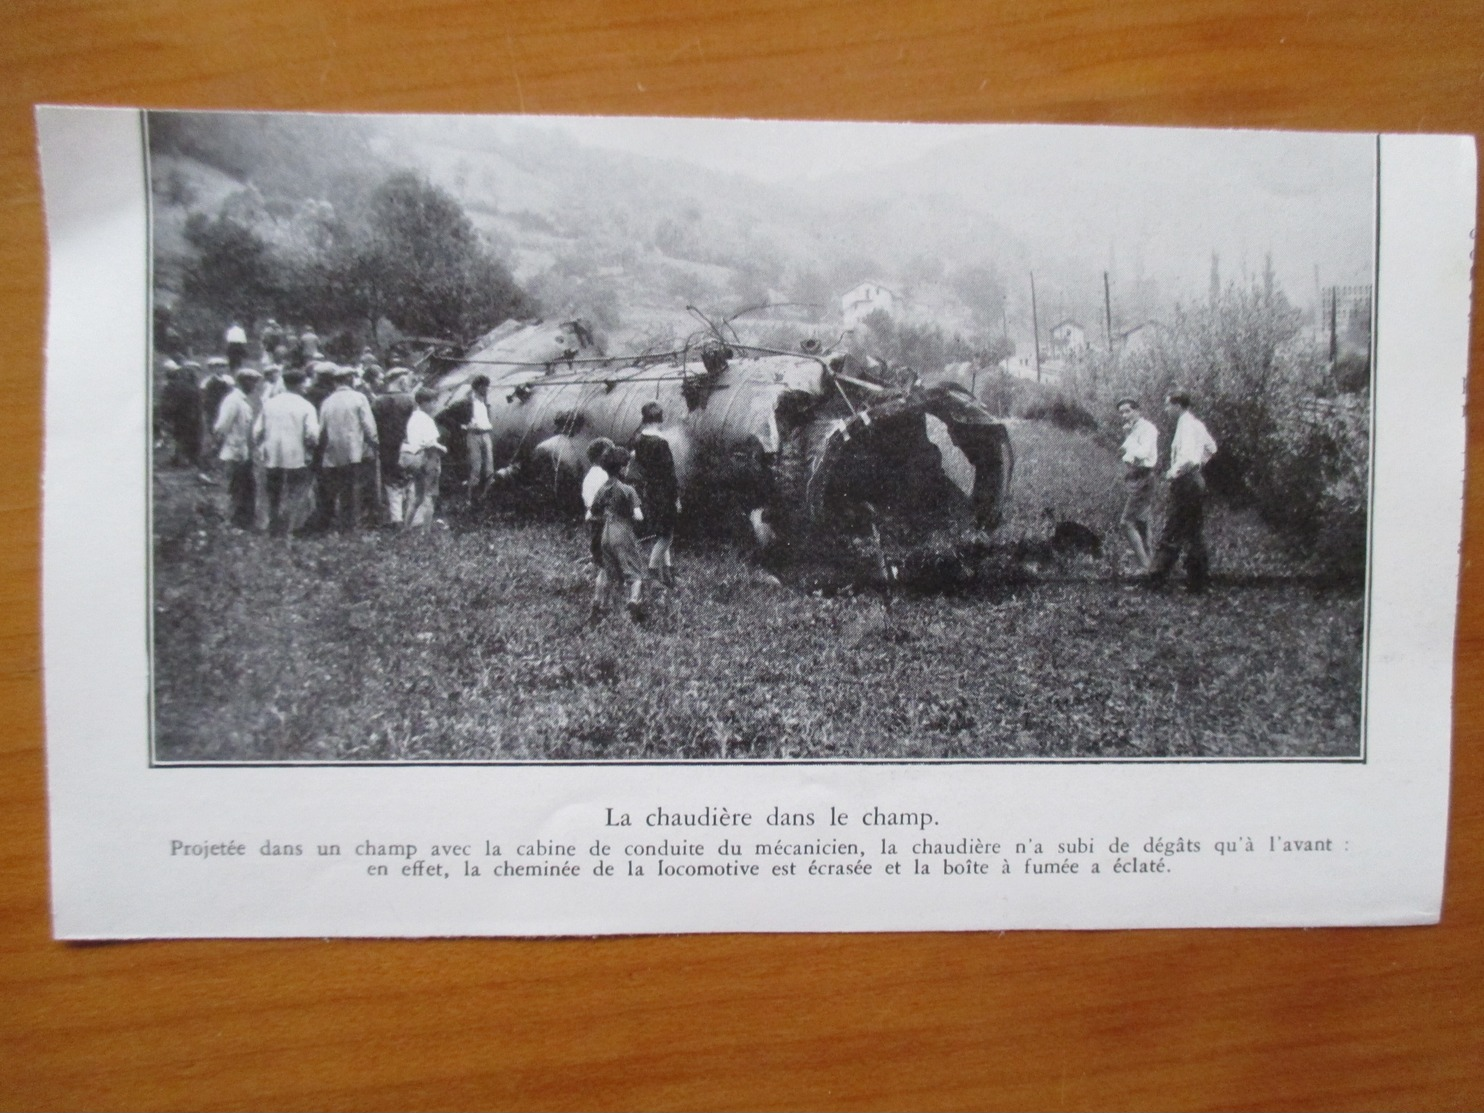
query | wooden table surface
[1210, 1019]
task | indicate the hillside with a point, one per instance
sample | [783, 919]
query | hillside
[626, 239]
[630, 237]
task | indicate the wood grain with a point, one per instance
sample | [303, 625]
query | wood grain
[1253, 1019]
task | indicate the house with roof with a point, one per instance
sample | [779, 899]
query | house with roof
[861, 301]
[1138, 338]
[1068, 336]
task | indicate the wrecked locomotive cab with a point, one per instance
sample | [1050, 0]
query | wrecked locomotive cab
[792, 445]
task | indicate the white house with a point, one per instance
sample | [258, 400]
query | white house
[1068, 336]
[859, 303]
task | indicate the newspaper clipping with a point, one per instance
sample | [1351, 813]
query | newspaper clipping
[562, 525]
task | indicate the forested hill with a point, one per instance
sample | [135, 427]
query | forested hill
[624, 239]
[285, 157]
[630, 239]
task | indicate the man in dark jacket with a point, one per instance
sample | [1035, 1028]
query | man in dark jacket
[180, 415]
[391, 411]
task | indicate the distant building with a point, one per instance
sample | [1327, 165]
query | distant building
[859, 303]
[1068, 336]
[1138, 338]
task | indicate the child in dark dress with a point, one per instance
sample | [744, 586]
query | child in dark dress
[592, 483]
[618, 505]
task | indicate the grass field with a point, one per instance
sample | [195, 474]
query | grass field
[473, 645]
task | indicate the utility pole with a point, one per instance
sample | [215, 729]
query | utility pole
[1108, 310]
[1318, 305]
[1035, 328]
[1334, 338]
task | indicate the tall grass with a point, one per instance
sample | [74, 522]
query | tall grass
[473, 645]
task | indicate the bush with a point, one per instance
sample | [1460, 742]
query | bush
[1314, 486]
[1258, 383]
[925, 349]
[1064, 413]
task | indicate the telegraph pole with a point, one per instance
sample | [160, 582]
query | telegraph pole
[1334, 338]
[1035, 327]
[1108, 310]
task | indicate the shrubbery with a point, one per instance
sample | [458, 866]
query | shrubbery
[1064, 413]
[1315, 485]
[908, 351]
[1293, 442]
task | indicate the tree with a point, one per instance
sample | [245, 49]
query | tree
[918, 349]
[1254, 377]
[418, 261]
[232, 272]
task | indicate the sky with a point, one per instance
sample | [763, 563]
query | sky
[767, 150]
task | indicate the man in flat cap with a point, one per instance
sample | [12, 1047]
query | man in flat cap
[348, 433]
[392, 411]
[233, 430]
[286, 433]
[653, 470]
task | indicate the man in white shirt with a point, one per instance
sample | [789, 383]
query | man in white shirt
[286, 433]
[233, 429]
[272, 383]
[1140, 455]
[1185, 521]
[236, 338]
[479, 436]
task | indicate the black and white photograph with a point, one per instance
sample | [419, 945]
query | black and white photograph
[584, 440]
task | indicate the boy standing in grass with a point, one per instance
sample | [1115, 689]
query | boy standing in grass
[618, 503]
[1140, 455]
[479, 436]
[1185, 522]
[421, 460]
[659, 490]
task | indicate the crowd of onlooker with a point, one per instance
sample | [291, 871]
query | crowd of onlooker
[305, 445]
